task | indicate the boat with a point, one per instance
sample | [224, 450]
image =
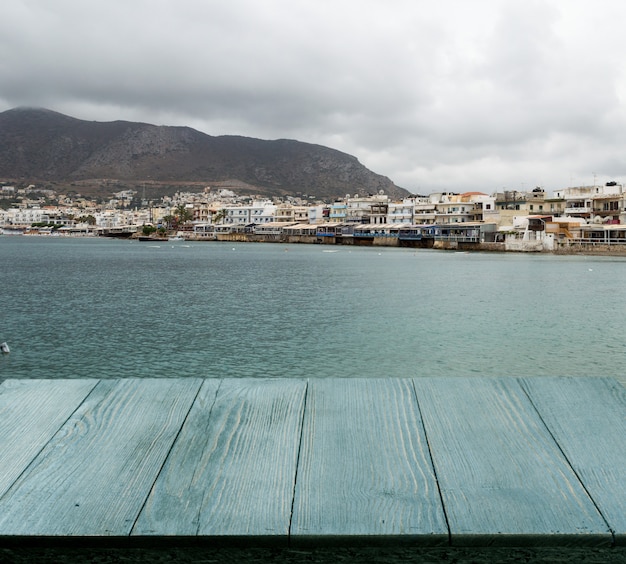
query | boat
[176, 238]
[4, 348]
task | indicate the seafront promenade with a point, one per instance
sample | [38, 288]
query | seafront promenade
[422, 463]
[458, 237]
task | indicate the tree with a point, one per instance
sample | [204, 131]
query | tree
[88, 219]
[169, 220]
[183, 214]
[220, 216]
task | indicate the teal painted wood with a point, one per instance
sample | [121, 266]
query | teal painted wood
[239, 480]
[587, 416]
[503, 478]
[173, 506]
[93, 477]
[31, 412]
[365, 470]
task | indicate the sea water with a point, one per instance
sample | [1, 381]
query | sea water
[85, 307]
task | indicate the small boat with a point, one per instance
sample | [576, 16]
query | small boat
[4, 348]
[177, 238]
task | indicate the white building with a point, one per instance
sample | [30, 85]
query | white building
[23, 217]
[401, 212]
[461, 208]
[262, 211]
[597, 204]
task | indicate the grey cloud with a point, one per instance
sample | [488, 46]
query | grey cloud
[469, 95]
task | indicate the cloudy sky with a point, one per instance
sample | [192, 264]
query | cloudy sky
[451, 95]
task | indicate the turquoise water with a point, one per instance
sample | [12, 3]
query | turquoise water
[106, 308]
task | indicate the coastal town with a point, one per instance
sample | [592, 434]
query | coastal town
[575, 219]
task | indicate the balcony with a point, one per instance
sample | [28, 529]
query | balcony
[577, 210]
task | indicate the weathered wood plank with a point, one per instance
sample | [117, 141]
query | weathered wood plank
[93, 477]
[240, 476]
[31, 412]
[365, 470]
[587, 417]
[173, 506]
[503, 478]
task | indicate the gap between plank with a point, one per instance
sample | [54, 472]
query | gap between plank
[432, 462]
[520, 382]
[51, 437]
[295, 478]
[169, 452]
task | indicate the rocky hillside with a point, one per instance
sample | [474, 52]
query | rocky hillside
[40, 145]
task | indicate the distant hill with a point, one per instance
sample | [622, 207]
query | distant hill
[38, 145]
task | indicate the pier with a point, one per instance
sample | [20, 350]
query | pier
[421, 462]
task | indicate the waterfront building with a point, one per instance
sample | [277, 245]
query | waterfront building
[23, 217]
[463, 232]
[288, 213]
[425, 210]
[318, 214]
[338, 212]
[609, 209]
[108, 219]
[272, 229]
[513, 203]
[378, 213]
[260, 211]
[554, 206]
[300, 230]
[595, 204]
[460, 208]
[203, 212]
[366, 209]
[402, 212]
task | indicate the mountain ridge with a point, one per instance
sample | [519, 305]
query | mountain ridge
[37, 144]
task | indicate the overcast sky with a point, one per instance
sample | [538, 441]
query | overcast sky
[438, 95]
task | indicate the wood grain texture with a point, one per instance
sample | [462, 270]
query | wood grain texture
[173, 506]
[241, 477]
[93, 477]
[365, 469]
[502, 476]
[31, 412]
[518, 461]
[587, 417]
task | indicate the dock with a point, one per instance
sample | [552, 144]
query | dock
[425, 462]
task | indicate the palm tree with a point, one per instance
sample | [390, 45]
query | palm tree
[168, 220]
[183, 214]
[220, 216]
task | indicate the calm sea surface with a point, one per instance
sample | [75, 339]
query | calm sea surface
[78, 308]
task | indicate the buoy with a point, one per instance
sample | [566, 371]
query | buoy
[5, 348]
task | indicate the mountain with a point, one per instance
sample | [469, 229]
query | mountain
[39, 145]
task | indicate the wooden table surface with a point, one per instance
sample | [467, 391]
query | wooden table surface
[431, 461]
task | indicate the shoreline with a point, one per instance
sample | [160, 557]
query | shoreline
[593, 249]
